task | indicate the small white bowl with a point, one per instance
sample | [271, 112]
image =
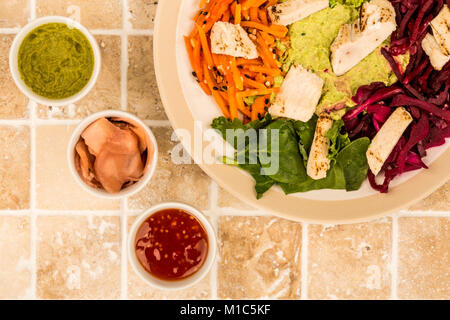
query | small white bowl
[176, 284]
[134, 188]
[14, 53]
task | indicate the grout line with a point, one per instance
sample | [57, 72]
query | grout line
[230, 212]
[424, 214]
[100, 213]
[96, 32]
[124, 60]
[213, 281]
[140, 32]
[32, 4]
[213, 205]
[394, 262]
[57, 122]
[119, 32]
[32, 109]
[124, 64]
[304, 262]
[124, 259]
[33, 218]
[14, 123]
[15, 213]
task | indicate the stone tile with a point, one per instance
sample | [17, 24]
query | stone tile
[14, 13]
[14, 168]
[15, 275]
[106, 92]
[13, 104]
[438, 201]
[138, 289]
[227, 200]
[424, 258]
[142, 13]
[143, 94]
[172, 182]
[260, 258]
[78, 257]
[56, 189]
[350, 261]
[93, 14]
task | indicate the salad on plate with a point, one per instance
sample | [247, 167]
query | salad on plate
[351, 89]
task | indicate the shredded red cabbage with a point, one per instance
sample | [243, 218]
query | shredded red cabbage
[423, 91]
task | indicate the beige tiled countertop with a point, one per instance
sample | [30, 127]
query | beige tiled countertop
[57, 242]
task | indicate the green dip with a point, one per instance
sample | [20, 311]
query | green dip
[311, 39]
[56, 61]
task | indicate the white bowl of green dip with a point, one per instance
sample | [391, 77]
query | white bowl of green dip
[54, 61]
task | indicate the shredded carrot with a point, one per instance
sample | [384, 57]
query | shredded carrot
[233, 102]
[253, 3]
[260, 78]
[224, 96]
[271, 3]
[228, 79]
[188, 45]
[236, 74]
[238, 14]
[241, 105]
[242, 61]
[266, 53]
[197, 59]
[226, 16]
[258, 92]
[216, 14]
[254, 14]
[231, 88]
[267, 38]
[200, 20]
[270, 80]
[257, 108]
[276, 30]
[249, 83]
[269, 71]
[214, 90]
[245, 13]
[263, 16]
[205, 87]
[216, 59]
[205, 46]
[248, 73]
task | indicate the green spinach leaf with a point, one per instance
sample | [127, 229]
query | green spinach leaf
[353, 161]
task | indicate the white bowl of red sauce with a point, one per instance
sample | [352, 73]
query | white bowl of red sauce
[172, 246]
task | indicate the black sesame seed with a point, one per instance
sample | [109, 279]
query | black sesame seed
[215, 88]
[267, 101]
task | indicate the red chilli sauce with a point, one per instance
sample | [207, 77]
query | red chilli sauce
[171, 244]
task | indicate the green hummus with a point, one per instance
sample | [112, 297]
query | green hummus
[56, 61]
[310, 41]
